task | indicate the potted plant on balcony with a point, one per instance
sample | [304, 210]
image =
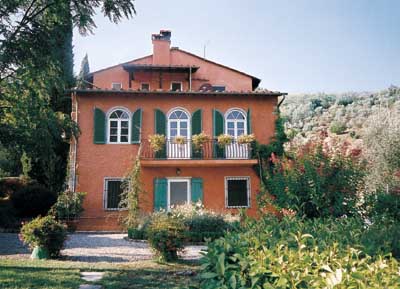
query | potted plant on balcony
[157, 142]
[224, 140]
[246, 139]
[199, 140]
[179, 140]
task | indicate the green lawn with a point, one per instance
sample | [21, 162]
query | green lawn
[24, 274]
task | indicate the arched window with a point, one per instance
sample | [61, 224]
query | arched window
[235, 123]
[178, 123]
[118, 126]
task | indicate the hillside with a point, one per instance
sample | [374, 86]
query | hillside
[346, 115]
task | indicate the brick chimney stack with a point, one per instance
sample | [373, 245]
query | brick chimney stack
[161, 47]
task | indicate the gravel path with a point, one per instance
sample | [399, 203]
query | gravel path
[93, 248]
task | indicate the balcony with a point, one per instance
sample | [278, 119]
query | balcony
[209, 153]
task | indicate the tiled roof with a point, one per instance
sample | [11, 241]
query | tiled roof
[155, 92]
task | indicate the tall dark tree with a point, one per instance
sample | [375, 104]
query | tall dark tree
[36, 69]
[85, 70]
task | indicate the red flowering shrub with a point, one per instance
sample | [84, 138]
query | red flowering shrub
[316, 179]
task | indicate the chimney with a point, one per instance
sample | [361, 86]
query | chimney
[161, 46]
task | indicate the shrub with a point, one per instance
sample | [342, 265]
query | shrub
[68, 205]
[10, 185]
[201, 223]
[166, 235]
[140, 231]
[315, 181]
[385, 205]
[33, 200]
[44, 232]
[338, 128]
[295, 253]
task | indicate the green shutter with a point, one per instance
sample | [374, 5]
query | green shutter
[160, 194]
[218, 129]
[197, 190]
[249, 121]
[136, 126]
[160, 123]
[160, 127]
[196, 129]
[196, 122]
[99, 127]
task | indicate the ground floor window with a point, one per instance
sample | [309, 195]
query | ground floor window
[237, 192]
[178, 192]
[112, 193]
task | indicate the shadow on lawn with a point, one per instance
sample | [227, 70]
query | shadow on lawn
[33, 277]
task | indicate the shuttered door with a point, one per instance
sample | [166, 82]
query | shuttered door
[160, 125]
[218, 129]
[197, 153]
[114, 192]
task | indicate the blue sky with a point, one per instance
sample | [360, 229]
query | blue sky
[293, 46]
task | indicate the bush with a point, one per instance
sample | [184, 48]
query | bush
[295, 253]
[44, 232]
[9, 185]
[68, 205]
[201, 224]
[166, 235]
[33, 200]
[338, 128]
[385, 205]
[315, 181]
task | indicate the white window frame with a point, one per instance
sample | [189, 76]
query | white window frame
[247, 178]
[189, 121]
[119, 125]
[175, 82]
[112, 85]
[105, 193]
[235, 121]
[221, 85]
[189, 194]
[144, 83]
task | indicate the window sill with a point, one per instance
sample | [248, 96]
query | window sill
[238, 207]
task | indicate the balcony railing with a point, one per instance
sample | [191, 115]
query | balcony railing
[207, 151]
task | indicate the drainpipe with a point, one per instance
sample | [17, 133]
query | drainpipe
[283, 99]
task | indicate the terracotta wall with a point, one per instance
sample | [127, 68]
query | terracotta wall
[207, 73]
[95, 161]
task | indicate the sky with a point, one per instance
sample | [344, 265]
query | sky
[295, 46]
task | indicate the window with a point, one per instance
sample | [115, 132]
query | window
[235, 123]
[218, 88]
[176, 86]
[178, 192]
[237, 192]
[112, 193]
[178, 124]
[145, 86]
[118, 126]
[116, 85]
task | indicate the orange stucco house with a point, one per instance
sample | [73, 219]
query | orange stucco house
[173, 93]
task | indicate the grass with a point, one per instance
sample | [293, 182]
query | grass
[54, 274]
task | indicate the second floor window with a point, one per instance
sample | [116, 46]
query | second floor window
[178, 124]
[118, 124]
[235, 123]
